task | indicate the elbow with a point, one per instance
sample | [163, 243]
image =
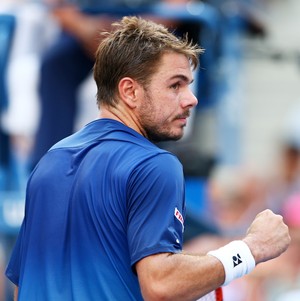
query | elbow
[157, 292]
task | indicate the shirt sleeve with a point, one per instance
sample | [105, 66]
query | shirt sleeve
[156, 207]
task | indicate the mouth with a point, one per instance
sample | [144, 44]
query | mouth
[183, 118]
[182, 121]
[184, 115]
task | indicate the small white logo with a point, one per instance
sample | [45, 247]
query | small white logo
[179, 216]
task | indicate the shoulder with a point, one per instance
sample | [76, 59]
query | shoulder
[160, 167]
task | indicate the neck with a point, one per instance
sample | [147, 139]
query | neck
[122, 116]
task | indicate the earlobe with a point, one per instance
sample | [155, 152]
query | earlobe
[127, 91]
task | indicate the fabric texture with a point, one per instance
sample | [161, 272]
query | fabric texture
[97, 202]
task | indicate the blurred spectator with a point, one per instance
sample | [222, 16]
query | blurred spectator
[34, 31]
[237, 194]
[279, 279]
[248, 11]
[285, 178]
[32, 21]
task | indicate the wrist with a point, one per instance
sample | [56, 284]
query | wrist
[252, 245]
[236, 258]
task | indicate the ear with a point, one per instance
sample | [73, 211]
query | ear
[128, 91]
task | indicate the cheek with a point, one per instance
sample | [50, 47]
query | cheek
[160, 106]
[163, 113]
[167, 105]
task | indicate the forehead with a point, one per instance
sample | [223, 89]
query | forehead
[173, 64]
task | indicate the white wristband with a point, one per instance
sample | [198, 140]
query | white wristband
[236, 258]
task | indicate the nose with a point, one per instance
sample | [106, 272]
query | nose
[189, 99]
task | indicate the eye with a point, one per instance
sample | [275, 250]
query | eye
[175, 86]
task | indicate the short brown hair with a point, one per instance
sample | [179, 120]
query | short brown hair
[134, 50]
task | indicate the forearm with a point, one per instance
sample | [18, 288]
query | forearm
[179, 276]
[188, 277]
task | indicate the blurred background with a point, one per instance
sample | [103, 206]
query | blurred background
[241, 150]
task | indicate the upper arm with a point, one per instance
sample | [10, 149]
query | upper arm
[149, 270]
[155, 194]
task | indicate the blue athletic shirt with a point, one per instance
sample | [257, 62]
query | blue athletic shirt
[97, 202]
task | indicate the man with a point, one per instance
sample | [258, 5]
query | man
[104, 215]
[60, 78]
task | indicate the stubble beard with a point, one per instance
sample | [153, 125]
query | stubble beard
[155, 135]
[157, 132]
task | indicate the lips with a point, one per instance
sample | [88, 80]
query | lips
[184, 115]
[182, 120]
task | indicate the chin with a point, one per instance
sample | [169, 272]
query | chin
[157, 136]
[177, 136]
[165, 138]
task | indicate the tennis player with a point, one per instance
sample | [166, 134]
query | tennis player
[104, 216]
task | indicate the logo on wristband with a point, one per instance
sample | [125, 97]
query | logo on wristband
[236, 260]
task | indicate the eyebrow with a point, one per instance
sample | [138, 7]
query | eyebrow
[183, 78]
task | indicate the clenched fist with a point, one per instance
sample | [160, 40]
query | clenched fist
[268, 236]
